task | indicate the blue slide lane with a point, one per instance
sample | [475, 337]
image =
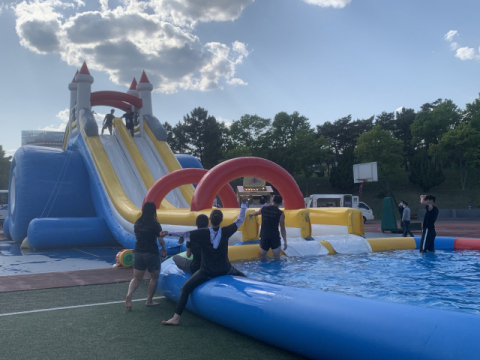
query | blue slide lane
[327, 325]
[103, 208]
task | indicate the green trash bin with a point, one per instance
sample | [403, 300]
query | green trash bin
[389, 222]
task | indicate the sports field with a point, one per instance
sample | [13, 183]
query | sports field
[90, 322]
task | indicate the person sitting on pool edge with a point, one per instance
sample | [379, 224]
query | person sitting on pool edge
[213, 242]
[184, 263]
[272, 217]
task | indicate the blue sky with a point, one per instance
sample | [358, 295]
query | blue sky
[323, 58]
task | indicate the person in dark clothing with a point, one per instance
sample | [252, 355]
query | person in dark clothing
[427, 242]
[147, 257]
[129, 115]
[401, 207]
[213, 243]
[108, 121]
[272, 217]
[184, 263]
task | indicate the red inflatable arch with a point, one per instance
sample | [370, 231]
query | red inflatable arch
[183, 177]
[247, 166]
[114, 98]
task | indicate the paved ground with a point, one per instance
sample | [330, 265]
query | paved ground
[466, 229]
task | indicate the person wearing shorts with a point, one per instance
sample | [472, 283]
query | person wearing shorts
[213, 242]
[193, 249]
[129, 115]
[427, 242]
[272, 217]
[147, 257]
[108, 122]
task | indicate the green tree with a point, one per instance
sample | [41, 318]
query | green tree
[248, 131]
[239, 151]
[341, 176]
[204, 136]
[380, 145]
[460, 149]
[5, 163]
[402, 131]
[425, 173]
[433, 121]
[308, 153]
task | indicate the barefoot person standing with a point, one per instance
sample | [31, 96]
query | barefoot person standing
[213, 242]
[272, 218]
[147, 257]
[427, 243]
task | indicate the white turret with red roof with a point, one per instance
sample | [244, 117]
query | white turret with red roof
[145, 93]
[84, 88]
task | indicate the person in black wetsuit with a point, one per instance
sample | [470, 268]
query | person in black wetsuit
[272, 217]
[213, 242]
[183, 263]
[427, 242]
[147, 257]
[129, 115]
[108, 121]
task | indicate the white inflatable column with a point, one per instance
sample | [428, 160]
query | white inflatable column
[73, 100]
[145, 93]
[84, 88]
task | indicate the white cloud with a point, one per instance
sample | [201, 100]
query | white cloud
[463, 53]
[328, 3]
[399, 110]
[466, 53]
[449, 36]
[10, 152]
[52, 127]
[153, 35]
[64, 115]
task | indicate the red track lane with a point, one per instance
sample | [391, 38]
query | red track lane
[183, 177]
[247, 166]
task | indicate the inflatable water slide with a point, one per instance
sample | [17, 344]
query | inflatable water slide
[90, 193]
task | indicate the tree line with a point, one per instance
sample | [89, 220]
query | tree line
[423, 143]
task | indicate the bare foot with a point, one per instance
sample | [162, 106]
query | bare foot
[128, 302]
[173, 321]
[151, 303]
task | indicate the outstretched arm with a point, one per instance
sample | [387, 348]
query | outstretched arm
[242, 213]
[283, 231]
[255, 213]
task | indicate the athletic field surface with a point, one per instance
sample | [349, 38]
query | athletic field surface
[91, 322]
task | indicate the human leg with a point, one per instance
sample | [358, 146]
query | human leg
[276, 253]
[407, 231]
[430, 240]
[194, 281]
[103, 128]
[423, 240]
[137, 279]
[152, 287]
[264, 247]
[182, 263]
[110, 129]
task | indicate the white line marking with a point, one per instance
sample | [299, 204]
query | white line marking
[74, 307]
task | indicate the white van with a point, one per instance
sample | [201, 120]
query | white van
[339, 200]
[3, 205]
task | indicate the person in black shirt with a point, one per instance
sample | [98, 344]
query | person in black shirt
[401, 207]
[213, 243]
[272, 217]
[183, 263]
[107, 122]
[427, 242]
[147, 257]
[129, 114]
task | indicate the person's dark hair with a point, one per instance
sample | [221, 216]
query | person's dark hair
[149, 214]
[202, 221]
[262, 201]
[216, 217]
[129, 108]
[430, 197]
[113, 110]
[405, 202]
[277, 199]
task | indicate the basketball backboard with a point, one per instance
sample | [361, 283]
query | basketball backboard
[366, 172]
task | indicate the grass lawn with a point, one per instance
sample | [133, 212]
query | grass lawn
[111, 332]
